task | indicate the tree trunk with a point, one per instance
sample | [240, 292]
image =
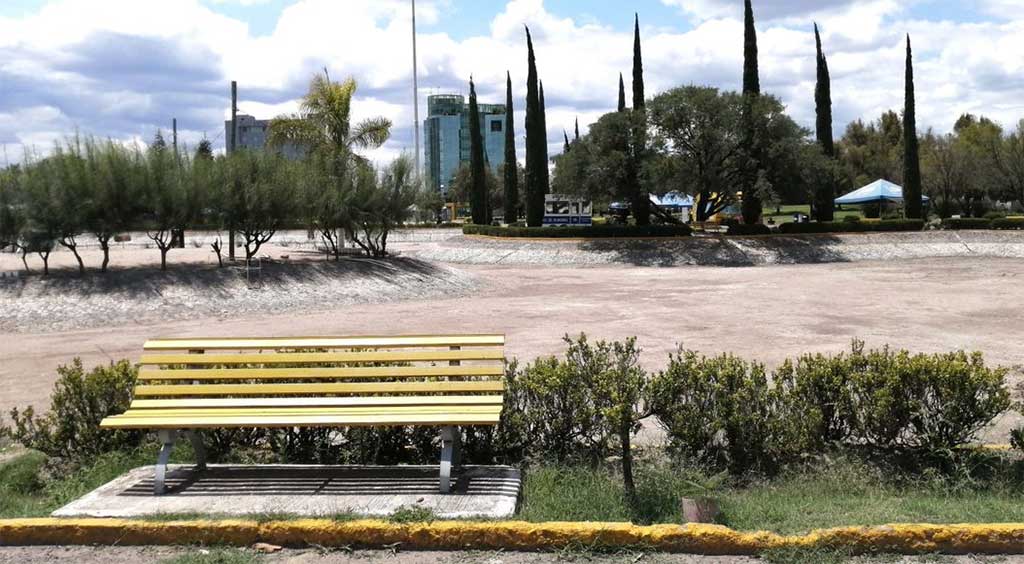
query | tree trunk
[105, 245]
[46, 262]
[627, 466]
[72, 246]
[163, 256]
[24, 261]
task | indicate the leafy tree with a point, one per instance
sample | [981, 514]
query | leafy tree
[911, 153]
[1008, 160]
[204, 150]
[170, 199]
[478, 188]
[751, 92]
[536, 143]
[872, 151]
[700, 144]
[380, 204]
[118, 174]
[511, 165]
[257, 194]
[825, 193]
[462, 186]
[947, 174]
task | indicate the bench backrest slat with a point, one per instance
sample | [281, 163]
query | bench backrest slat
[327, 342]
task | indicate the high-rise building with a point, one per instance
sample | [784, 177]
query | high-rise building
[446, 137]
[252, 134]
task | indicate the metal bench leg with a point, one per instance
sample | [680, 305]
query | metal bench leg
[449, 455]
[448, 449]
[168, 438]
[196, 439]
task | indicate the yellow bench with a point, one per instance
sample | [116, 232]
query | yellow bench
[187, 385]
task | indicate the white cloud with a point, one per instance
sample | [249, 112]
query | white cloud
[125, 67]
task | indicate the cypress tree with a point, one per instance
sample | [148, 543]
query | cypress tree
[911, 154]
[638, 67]
[535, 143]
[622, 94]
[577, 138]
[542, 161]
[823, 109]
[511, 164]
[751, 205]
[478, 180]
[565, 148]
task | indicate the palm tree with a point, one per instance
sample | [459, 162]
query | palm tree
[323, 123]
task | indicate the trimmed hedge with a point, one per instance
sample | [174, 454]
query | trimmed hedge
[852, 227]
[580, 231]
[1008, 223]
[966, 223]
[742, 229]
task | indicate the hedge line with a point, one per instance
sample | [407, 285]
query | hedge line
[580, 231]
[852, 226]
[1002, 224]
[739, 229]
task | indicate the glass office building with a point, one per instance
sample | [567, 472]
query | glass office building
[446, 137]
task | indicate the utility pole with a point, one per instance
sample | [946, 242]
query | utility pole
[415, 89]
[231, 149]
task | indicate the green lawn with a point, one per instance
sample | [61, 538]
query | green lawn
[785, 213]
[827, 495]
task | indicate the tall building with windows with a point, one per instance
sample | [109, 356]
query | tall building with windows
[251, 133]
[446, 137]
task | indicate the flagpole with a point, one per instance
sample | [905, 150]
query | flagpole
[415, 89]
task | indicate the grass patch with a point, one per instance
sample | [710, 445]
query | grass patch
[412, 514]
[840, 494]
[214, 556]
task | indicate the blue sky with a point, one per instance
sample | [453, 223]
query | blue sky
[123, 68]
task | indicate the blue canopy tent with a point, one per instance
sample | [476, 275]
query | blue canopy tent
[878, 192]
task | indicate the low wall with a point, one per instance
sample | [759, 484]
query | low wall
[729, 251]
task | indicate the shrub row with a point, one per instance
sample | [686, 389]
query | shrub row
[999, 223]
[723, 412]
[852, 226]
[580, 231]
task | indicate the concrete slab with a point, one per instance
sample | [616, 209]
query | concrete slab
[479, 491]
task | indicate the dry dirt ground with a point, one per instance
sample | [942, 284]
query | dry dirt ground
[765, 313]
[131, 555]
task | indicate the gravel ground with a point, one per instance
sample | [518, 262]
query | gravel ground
[65, 301]
[131, 555]
[727, 251]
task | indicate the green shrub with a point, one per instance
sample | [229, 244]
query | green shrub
[580, 231]
[1008, 223]
[819, 385]
[994, 215]
[80, 400]
[723, 412]
[966, 223]
[851, 219]
[934, 402]
[852, 227]
[740, 229]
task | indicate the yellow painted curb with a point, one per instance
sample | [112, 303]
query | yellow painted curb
[512, 535]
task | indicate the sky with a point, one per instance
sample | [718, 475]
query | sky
[124, 68]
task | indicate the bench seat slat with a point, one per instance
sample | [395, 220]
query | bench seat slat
[312, 373]
[321, 357]
[271, 412]
[432, 419]
[157, 404]
[288, 389]
[327, 342]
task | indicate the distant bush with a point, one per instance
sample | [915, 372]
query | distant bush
[740, 229]
[994, 215]
[580, 231]
[967, 223]
[1008, 223]
[852, 227]
[80, 400]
